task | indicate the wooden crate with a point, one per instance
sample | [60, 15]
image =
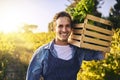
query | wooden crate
[93, 37]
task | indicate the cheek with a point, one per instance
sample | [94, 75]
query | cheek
[69, 29]
[56, 29]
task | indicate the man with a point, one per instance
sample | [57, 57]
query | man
[59, 60]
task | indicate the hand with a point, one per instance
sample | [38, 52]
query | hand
[104, 54]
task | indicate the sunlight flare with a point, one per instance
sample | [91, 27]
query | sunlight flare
[10, 20]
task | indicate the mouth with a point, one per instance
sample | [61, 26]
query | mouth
[64, 34]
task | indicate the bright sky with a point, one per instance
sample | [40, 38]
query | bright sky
[14, 13]
[106, 7]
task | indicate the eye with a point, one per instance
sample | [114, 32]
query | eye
[60, 26]
[68, 26]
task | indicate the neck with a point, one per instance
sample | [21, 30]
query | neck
[59, 42]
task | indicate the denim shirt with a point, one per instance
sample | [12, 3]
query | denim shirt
[38, 64]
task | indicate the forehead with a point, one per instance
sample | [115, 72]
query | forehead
[63, 20]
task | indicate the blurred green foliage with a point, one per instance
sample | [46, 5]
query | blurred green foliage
[80, 10]
[16, 50]
[107, 69]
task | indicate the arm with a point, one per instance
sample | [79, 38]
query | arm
[35, 67]
[93, 55]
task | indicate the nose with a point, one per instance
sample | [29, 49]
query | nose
[64, 29]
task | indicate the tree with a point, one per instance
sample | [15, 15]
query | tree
[29, 27]
[51, 26]
[115, 15]
[73, 3]
[96, 6]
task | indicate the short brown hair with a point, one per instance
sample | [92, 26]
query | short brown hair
[62, 14]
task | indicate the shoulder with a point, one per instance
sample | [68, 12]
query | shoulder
[41, 51]
[84, 50]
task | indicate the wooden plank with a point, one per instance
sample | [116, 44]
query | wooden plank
[80, 25]
[96, 41]
[78, 31]
[98, 35]
[97, 19]
[95, 47]
[96, 28]
[93, 34]
[74, 42]
[77, 37]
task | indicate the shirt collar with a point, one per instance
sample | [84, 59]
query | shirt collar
[51, 46]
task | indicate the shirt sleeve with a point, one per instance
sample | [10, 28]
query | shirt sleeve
[92, 55]
[35, 67]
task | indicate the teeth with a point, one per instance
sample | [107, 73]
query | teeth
[64, 34]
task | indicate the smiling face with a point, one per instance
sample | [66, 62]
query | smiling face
[63, 30]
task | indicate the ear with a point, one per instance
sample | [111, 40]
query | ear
[54, 27]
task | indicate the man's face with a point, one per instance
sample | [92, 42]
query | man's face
[63, 28]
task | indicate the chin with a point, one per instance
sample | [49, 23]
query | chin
[65, 40]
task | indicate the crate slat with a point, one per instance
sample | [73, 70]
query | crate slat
[95, 47]
[77, 37]
[97, 19]
[97, 28]
[90, 40]
[92, 34]
[78, 31]
[74, 42]
[96, 41]
[81, 25]
[97, 35]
